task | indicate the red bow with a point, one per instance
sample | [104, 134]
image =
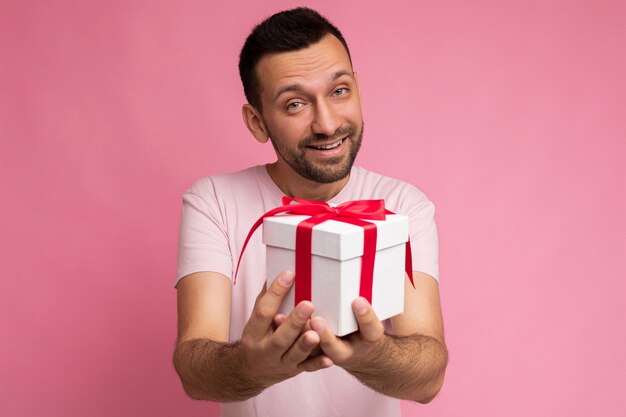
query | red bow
[352, 212]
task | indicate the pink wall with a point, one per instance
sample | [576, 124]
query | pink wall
[511, 117]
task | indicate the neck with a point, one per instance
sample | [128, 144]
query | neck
[293, 185]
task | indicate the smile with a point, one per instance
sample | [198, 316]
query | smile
[329, 146]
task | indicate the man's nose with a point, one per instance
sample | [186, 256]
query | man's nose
[326, 120]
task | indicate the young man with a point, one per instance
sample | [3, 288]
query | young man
[233, 347]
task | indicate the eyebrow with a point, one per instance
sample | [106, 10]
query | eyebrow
[298, 87]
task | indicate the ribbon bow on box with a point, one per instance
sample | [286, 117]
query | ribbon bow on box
[352, 212]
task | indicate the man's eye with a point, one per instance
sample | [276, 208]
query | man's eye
[340, 91]
[294, 105]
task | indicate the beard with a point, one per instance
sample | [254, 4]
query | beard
[330, 169]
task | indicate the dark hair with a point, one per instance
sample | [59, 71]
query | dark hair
[289, 30]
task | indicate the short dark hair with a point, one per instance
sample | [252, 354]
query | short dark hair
[289, 30]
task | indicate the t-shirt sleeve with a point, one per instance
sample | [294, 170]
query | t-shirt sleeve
[423, 233]
[203, 239]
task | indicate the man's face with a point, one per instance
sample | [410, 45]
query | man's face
[312, 109]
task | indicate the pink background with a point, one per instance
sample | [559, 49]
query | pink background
[511, 116]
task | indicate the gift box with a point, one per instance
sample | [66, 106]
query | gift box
[336, 260]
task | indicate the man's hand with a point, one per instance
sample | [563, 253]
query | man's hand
[275, 355]
[353, 350]
[269, 351]
[410, 367]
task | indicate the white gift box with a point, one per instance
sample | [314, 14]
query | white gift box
[337, 248]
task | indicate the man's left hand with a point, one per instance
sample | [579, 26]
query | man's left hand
[350, 351]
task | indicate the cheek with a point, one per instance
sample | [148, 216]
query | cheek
[292, 129]
[352, 111]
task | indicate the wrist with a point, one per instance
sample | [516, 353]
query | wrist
[247, 370]
[371, 356]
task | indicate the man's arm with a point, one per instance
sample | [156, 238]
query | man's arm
[409, 364]
[210, 368]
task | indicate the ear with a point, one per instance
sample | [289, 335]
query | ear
[254, 122]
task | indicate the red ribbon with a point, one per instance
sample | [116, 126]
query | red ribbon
[352, 212]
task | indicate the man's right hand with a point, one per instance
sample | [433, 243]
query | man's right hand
[272, 348]
[273, 355]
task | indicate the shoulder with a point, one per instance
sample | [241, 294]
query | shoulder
[226, 180]
[399, 195]
[223, 185]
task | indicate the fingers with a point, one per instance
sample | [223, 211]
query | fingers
[293, 338]
[293, 326]
[316, 351]
[344, 351]
[278, 320]
[336, 349]
[267, 306]
[273, 344]
[315, 363]
[302, 348]
[370, 328]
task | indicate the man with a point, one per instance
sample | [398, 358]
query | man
[233, 347]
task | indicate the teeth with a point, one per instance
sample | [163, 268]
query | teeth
[331, 146]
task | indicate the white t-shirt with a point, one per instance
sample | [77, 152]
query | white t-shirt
[217, 214]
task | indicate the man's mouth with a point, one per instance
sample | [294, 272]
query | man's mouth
[327, 147]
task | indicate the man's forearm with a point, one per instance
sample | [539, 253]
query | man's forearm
[406, 367]
[214, 371]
